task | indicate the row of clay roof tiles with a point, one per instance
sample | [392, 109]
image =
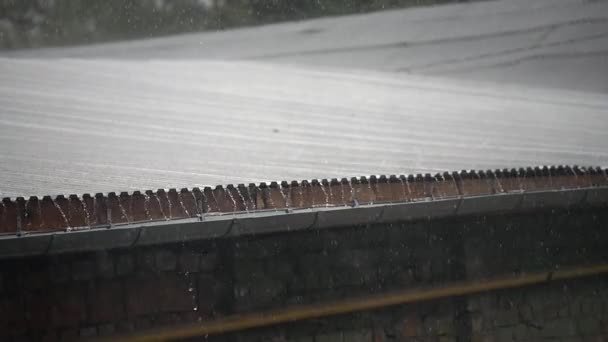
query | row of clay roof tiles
[19, 215]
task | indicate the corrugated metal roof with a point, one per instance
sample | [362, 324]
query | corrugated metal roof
[151, 114]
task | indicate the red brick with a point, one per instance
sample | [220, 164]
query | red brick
[38, 308]
[189, 261]
[411, 326]
[210, 292]
[35, 280]
[69, 335]
[191, 317]
[141, 296]
[106, 302]
[167, 319]
[50, 336]
[68, 308]
[169, 293]
[378, 335]
[12, 316]
[176, 293]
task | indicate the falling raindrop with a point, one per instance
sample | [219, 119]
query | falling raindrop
[301, 192]
[65, 219]
[27, 212]
[215, 200]
[170, 205]
[324, 193]
[206, 201]
[402, 187]
[147, 206]
[198, 209]
[270, 200]
[160, 207]
[498, 184]
[181, 203]
[229, 192]
[238, 191]
[39, 214]
[352, 190]
[3, 211]
[250, 198]
[286, 204]
[87, 218]
[123, 212]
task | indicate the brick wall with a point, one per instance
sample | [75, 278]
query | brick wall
[64, 297]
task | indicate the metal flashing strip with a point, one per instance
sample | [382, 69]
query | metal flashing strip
[283, 221]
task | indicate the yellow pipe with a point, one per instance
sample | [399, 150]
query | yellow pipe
[256, 320]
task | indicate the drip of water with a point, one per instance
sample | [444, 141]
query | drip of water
[181, 203]
[198, 212]
[499, 184]
[69, 211]
[271, 202]
[234, 208]
[215, 199]
[206, 201]
[409, 190]
[250, 198]
[312, 195]
[131, 204]
[160, 207]
[191, 289]
[65, 219]
[3, 211]
[331, 193]
[342, 191]
[521, 186]
[238, 191]
[123, 212]
[170, 205]
[432, 190]
[284, 196]
[301, 195]
[352, 191]
[87, 219]
[94, 208]
[455, 185]
[550, 179]
[39, 214]
[371, 191]
[272, 205]
[402, 187]
[27, 212]
[325, 194]
[147, 206]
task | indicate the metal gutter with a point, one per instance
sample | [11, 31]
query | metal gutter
[64, 213]
[212, 226]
